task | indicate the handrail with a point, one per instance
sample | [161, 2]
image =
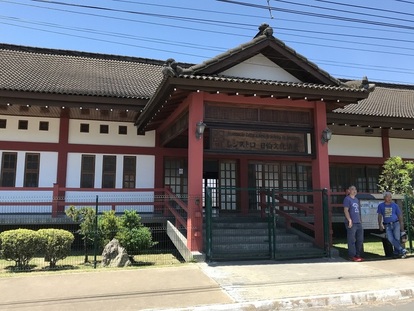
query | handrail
[285, 202]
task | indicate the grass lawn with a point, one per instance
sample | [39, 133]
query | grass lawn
[373, 248]
[76, 263]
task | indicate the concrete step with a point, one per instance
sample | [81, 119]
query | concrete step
[240, 225]
[246, 238]
[243, 231]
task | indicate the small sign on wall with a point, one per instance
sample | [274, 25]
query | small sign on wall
[180, 171]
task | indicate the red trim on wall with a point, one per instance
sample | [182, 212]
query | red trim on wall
[259, 101]
[355, 160]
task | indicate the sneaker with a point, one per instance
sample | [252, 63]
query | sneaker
[360, 258]
[403, 253]
[356, 259]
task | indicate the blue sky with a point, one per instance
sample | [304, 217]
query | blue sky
[348, 39]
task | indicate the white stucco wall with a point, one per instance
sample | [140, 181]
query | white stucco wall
[260, 67]
[32, 134]
[144, 170]
[47, 169]
[358, 146]
[144, 179]
[94, 137]
[402, 147]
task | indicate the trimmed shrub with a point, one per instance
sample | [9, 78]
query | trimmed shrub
[133, 235]
[19, 245]
[55, 244]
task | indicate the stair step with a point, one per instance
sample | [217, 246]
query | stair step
[244, 238]
[244, 232]
[240, 225]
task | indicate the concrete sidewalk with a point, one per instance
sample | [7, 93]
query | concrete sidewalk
[262, 285]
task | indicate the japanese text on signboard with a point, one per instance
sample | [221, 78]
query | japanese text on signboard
[224, 139]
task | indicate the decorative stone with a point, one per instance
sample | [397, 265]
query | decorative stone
[114, 255]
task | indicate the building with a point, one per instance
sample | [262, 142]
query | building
[139, 132]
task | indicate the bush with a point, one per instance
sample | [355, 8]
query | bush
[133, 235]
[19, 245]
[109, 225]
[55, 244]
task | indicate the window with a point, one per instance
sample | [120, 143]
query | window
[84, 128]
[109, 172]
[130, 165]
[3, 123]
[43, 126]
[31, 170]
[8, 169]
[104, 129]
[122, 130]
[88, 171]
[23, 124]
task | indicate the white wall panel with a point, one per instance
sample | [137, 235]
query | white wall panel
[358, 146]
[32, 134]
[145, 171]
[48, 169]
[260, 67]
[402, 147]
[94, 137]
[73, 170]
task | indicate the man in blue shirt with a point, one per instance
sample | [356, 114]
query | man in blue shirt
[390, 218]
[353, 224]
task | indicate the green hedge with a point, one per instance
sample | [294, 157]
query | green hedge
[21, 245]
[55, 244]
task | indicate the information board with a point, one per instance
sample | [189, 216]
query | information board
[369, 213]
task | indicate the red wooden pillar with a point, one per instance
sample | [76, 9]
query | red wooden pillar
[195, 174]
[320, 171]
[62, 164]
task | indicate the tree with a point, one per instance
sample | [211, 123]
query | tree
[397, 178]
[109, 225]
[86, 216]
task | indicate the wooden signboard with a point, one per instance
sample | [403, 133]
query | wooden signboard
[257, 141]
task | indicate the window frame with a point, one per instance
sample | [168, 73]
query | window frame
[128, 172]
[8, 169]
[29, 181]
[87, 172]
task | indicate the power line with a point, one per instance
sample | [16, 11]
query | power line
[208, 22]
[327, 16]
[366, 7]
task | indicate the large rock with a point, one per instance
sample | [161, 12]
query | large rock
[114, 255]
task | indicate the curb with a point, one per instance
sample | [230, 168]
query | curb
[308, 302]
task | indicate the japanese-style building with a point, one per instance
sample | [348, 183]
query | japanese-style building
[133, 130]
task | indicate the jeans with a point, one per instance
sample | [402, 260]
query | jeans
[355, 237]
[393, 235]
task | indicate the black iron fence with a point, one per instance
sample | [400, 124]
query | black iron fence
[282, 224]
[27, 214]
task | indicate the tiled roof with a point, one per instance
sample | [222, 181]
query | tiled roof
[223, 56]
[274, 83]
[77, 73]
[396, 102]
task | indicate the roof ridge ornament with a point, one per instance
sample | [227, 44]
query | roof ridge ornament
[172, 69]
[360, 84]
[264, 30]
